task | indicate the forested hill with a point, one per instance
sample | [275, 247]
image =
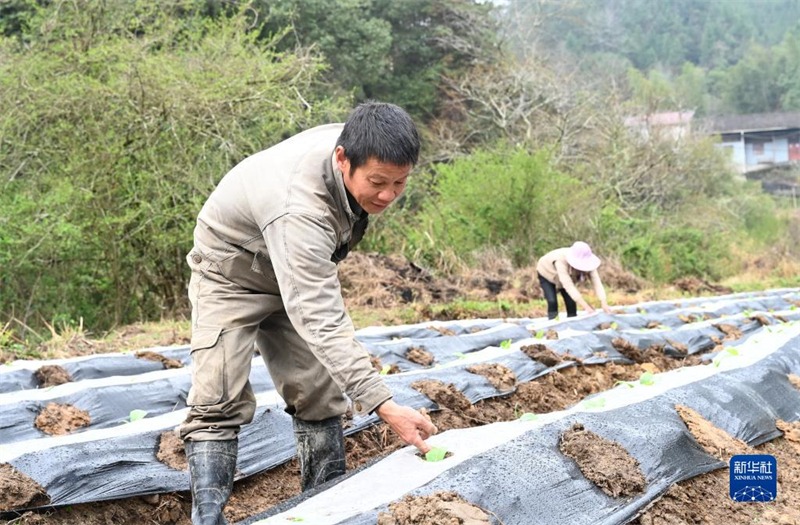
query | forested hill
[716, 56]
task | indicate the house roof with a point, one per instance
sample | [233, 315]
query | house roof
[751, 122]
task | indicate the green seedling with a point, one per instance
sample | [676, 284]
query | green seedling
[460, 355]
[642, 311]
[614, 325]
[629, 384]
[136, 415]
[435, 454]
[296, 520]
[505, 345]
[647, 378]
[539, 334]
[528, 416]
[385, 369]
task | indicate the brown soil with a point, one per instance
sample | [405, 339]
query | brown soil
[56, 419]
[653, 356]
[171, 451]
[501, 377]
[154, 356]
[18, 490]
[731, 332]
[51, 375]
[605, 463]
[420, 356]
[694, 285]
[441, 508]
[371, 281]
[540, 352]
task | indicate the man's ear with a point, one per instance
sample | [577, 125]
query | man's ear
[341, 160]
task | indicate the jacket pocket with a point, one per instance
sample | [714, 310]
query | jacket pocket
[249, 270]
[208, 368]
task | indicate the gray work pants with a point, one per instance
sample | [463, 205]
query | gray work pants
[236, 309]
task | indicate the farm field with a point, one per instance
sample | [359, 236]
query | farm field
[629, 418]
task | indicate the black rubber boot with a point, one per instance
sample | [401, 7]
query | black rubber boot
[212, 465]
[320, 447]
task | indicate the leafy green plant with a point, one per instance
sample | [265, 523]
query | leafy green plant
[506, 344]
[647, 378]
[435, 454]
[136, 415]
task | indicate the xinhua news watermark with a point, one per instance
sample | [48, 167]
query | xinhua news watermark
[753, 477]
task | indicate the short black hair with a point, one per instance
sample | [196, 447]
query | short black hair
[381, 131]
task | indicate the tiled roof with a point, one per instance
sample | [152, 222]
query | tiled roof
[751, 122]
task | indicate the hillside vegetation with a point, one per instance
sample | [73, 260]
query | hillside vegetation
[120, 117]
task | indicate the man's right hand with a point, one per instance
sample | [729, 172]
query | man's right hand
[411, 426]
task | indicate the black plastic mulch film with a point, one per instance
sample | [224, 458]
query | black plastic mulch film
[527, 481]
[124, 464]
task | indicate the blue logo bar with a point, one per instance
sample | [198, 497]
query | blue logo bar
[753, 477]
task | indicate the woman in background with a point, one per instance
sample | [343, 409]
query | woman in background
[560, 269]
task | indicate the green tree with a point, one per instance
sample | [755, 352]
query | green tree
[353, 40]
[387, 50]
[753, 84]
[788, 57]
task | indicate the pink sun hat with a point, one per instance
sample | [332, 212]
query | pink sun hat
[581, 258]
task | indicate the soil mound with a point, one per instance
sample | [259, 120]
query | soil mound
[385, 281]
[51, 375]
[171, 451]
[56, 419]
[442, 508]
[605, 463]
[501, 377]
[18, 490]
[155, 356]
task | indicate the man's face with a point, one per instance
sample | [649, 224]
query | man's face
[375, 185]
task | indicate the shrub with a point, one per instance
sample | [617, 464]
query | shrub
[503, 198]
[120, 119]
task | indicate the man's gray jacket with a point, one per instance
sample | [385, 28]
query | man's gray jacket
[287, 206]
